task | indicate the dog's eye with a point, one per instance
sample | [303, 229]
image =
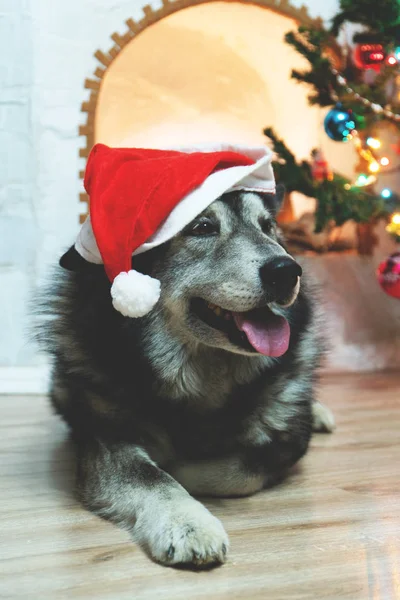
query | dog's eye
[267, 226]
[204, 226]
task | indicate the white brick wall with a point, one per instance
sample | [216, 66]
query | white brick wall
[46, 52]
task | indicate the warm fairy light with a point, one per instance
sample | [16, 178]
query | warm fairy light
[364, 180]
[394, 226]
[385, 161]
[347, 186]
[373, 167]
[361, 180]
[395, 219]
[373, 143]
[386, 193]
[391, 60]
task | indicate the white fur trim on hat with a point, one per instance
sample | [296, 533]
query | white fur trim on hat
[134, 294]
[86, 244]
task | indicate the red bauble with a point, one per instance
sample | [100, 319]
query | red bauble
[369, 56]
[388, 275]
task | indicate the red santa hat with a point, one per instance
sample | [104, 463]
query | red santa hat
[141, 198]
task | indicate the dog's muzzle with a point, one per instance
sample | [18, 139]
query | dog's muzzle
[280, 277]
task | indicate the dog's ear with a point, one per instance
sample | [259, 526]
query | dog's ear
[73, 261]
[145, 262]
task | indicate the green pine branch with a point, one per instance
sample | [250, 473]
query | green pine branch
[296, 177]
[379, 17]
[337, 200]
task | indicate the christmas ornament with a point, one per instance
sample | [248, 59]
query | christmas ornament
[141, 198]
[388, 275]
[369, 56]
[319, 167]
[339, 124]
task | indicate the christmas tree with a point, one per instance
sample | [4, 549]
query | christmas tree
[360, 82]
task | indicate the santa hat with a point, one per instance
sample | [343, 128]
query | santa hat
[141, 198]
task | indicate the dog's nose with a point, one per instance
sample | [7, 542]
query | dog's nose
[280, 275]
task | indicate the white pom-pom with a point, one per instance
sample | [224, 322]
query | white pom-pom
[134, 294]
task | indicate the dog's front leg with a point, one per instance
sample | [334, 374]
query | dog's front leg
[121, 483]
[323, 419]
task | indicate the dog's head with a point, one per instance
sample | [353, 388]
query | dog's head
[226, 279]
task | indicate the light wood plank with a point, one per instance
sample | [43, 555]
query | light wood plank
[330, 531]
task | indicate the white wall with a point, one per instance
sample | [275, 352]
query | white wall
[47, 51]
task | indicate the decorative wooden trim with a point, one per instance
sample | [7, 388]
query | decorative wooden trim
[151, 16]
[99, 72]
[103, 58]
[84, 198]
[84, 152]
[114, 51]
[92, 84]
[85, 129]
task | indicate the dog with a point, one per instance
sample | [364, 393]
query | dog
[210, 394]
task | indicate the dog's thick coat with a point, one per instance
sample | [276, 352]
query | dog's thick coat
[163, 407]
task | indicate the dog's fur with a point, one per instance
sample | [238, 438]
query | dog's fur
[163, 406]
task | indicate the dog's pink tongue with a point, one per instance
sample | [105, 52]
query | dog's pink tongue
[270, 338]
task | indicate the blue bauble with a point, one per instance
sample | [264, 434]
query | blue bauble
[339, 124]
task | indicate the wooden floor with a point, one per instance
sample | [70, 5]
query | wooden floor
[331, 531]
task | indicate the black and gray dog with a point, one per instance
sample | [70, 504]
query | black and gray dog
[188, 399]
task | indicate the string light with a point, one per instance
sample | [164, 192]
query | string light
[394, 226]
[396, 219]
[376, 108]
[361, 180]
[364, 180]
[373, 143]
[397, 53]
[373, 167]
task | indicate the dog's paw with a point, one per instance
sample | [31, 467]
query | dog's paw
[323, 419]
[184, 534]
